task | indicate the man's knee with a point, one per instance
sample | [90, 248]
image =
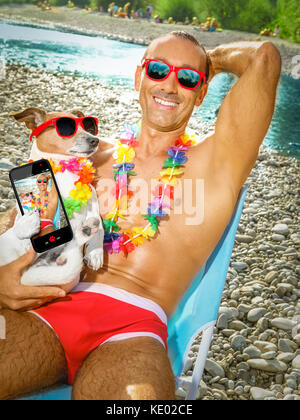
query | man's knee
[133, 369]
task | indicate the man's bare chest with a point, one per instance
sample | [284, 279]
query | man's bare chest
[198, 199]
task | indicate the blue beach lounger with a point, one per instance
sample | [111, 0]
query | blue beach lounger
[197, 312]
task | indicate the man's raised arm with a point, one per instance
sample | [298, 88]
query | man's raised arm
[247, 110]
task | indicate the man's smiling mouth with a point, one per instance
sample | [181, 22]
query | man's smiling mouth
[164, 102]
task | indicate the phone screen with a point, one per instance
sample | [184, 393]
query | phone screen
[36, 189]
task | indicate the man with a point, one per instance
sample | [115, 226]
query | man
[159, 271]
[46, 203]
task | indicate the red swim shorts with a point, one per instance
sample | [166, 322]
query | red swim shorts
[94, 314]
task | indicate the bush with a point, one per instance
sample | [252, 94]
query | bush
[58, 2]
[288, 18]
[178, 9]
[4, 2]
[256, 15]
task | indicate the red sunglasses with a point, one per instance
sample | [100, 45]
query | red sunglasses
[158, 70]
[68, 126]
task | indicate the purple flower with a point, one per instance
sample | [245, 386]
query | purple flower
[123, 166]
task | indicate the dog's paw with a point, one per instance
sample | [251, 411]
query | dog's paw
[28, 225]
[61, 260]
[87, 230]
[94, 259]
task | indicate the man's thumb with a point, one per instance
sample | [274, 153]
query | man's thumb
[26, 259]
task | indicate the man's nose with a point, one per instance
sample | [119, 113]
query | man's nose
[170, 84]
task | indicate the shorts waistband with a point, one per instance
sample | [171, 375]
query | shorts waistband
[124, 296]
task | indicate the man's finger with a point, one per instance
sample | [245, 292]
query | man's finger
[23, 305]
[38, 292]
[26, 259]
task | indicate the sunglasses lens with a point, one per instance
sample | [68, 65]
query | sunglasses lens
[66, 127]
[157, 70]
[90, 125]
[188, 78]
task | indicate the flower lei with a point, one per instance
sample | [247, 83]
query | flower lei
[114, 240]
[79, 196]
[39, 203]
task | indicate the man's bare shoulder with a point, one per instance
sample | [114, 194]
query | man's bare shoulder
[213, 164]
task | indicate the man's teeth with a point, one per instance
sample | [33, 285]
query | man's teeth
[160, 101]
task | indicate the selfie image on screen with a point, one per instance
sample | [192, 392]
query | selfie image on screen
[39, 193]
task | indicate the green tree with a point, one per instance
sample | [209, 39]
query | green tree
[178, 9]
[256, 15]
[225, 11]
[288, 19]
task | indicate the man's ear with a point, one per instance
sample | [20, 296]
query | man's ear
[201, 95]
[33, 117]
[137, 78]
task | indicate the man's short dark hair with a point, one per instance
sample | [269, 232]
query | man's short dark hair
[189, 37]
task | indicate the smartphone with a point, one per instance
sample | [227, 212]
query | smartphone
[35, 188]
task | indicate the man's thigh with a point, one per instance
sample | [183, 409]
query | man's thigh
[31, 356]
[133, 369]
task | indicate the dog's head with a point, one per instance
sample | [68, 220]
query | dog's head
[27, 198]
[82, 144]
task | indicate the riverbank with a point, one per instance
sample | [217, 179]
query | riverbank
[134, 31]
[255, 350]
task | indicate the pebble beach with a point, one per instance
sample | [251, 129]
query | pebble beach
[255, 352]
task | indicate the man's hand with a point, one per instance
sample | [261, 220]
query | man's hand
[14, 295]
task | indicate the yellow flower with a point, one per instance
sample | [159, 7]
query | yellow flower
[139, 240]
[115, 212]
[149, 232]
[169, 181]
[169, 171]
[82, 193]
[124, 154]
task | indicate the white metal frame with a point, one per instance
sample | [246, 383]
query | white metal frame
[192, 385]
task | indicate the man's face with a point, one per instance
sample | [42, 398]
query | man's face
[179, 102]
[42, 183]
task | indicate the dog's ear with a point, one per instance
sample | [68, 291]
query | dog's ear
[78, 113]
[33, 117]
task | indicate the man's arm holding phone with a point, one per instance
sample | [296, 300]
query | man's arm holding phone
[13, 294]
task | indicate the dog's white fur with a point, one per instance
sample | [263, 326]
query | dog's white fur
[68, 258]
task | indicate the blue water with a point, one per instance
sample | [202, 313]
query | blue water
[115, 63]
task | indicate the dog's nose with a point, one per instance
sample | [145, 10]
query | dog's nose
[93, 141]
